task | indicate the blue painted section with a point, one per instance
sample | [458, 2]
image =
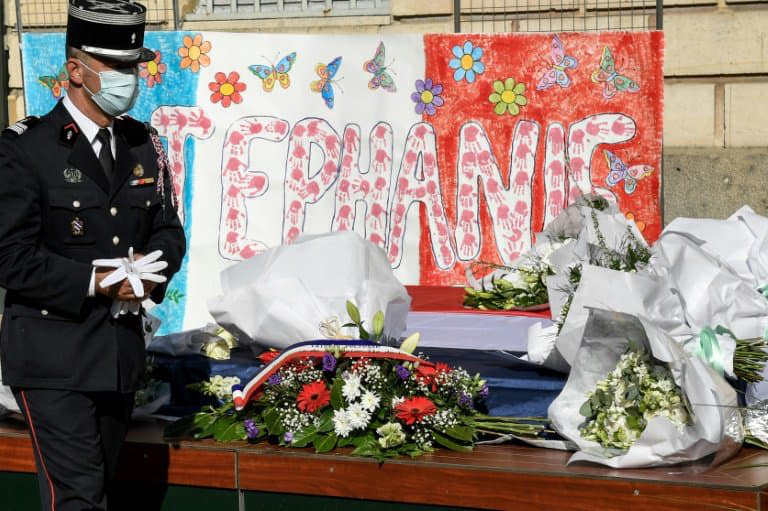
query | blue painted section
[43, 55]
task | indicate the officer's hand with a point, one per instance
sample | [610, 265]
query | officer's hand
[149, 286]
[119, 291]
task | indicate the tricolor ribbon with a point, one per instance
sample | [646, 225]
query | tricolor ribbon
[316, 349]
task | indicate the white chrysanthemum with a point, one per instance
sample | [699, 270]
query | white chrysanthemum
[516, 278]
[370, 401]
[342, 425]
[351, 388]
[358, 416]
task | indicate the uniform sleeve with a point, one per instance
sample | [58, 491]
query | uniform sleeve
[27, 269]
[167, 235]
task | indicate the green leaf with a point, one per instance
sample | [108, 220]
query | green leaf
[326, 422]
[234, 431]
[633, 422]
[410, 343]
[272, 422]
[450, 444]
[222, 429]
[345, 441]
[586, 409]
[358, 441]
[304, 437]
[325, 443]
[353, 312]
[218, 422]
[378, 324]
[462, 433]
[337, 399]
[367, 449]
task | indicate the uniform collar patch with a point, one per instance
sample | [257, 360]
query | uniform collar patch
[69, 133]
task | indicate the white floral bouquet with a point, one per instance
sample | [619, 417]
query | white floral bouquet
[520, 288]
[591, 232]
[634, 392]
[658, 439]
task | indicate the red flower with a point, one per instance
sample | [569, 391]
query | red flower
[442, 367]
[268, 356]
[313, 396]
[226, 88]
[426, 374]
[415, 409]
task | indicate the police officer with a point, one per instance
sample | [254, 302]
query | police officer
[80, 183]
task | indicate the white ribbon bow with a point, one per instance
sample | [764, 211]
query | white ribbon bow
[135, 271]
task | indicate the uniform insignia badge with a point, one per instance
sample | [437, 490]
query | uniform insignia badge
[138, 170]
[69, 133]
[72, 175]
[77, 226]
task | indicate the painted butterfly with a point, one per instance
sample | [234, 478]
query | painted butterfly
[630, 174]
[56, 83]
[323, 85]
[614, 82]
[560, 62]
[270, 74]
[381, 78]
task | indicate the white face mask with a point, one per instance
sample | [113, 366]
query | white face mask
[119, 90]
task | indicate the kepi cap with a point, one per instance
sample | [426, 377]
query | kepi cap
[108, 29]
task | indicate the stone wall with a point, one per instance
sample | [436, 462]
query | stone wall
[715, 91]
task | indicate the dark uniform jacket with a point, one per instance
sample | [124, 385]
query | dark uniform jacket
[57, 214]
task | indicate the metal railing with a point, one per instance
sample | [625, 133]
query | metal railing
[255, 9]
[499, 16]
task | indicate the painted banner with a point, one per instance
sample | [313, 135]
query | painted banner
[441, 149]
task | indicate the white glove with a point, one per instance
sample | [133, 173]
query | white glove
[135, 271]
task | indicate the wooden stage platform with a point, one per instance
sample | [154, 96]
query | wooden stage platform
[241, 476]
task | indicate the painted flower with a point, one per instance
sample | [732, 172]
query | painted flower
[508, 96]
[466, 62]
[415, 409]
[194, 53]
[427, 96]
[313, 396]
[226, 88]
[153, 70]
